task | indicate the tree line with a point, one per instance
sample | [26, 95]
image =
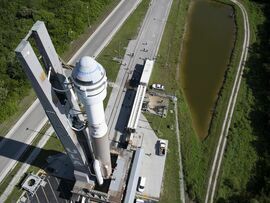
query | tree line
[65, 21]
[258, 80]
[247, 173]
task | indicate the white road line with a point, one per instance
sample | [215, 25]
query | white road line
[14, 161]
[19, 122]
[52, 190]
[26, 165]
[36, 102]
[60, 188]
[109, 38]
[37, 198]
[45, 194]
[94, 34]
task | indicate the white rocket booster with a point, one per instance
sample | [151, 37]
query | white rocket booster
[90, 83]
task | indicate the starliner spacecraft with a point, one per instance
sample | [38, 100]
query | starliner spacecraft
[90, 82]
[66, 97]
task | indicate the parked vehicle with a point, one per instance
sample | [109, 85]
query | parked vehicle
[158, 87]
[141, 184]
[161, 147]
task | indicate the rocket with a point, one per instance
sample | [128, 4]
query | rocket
[90, 83]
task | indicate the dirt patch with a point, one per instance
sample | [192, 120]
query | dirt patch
[156, 104]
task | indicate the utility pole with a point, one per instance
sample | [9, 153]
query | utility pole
[88, 14]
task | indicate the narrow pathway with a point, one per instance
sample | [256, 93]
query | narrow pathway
[211, 187]
[181, 176]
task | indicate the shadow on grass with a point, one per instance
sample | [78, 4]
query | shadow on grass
[11, 148]
[257, 76]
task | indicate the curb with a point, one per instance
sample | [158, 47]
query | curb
[13, 163]
[26, 165]
[99, 27]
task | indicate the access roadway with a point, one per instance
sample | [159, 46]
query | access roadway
[145, 46]
[214, 174]
[24, 131]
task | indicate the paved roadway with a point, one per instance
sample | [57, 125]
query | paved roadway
[16, 141]
[103, 35]
[145, 46]
[26, 165]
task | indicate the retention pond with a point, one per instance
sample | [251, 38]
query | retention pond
[208, 43]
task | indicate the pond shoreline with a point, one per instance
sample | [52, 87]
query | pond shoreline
[201, 82]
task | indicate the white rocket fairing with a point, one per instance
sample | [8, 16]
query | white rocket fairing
[90, 82]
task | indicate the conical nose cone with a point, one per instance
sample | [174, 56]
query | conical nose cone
[88, 70]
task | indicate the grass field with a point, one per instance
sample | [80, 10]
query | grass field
[73, 47]
[116, 48]
[76, 44]
[23, 106]
[164, 72]
[170, 189]
[197, 154]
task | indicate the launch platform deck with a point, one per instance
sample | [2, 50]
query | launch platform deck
[55, 190]
[152, 164]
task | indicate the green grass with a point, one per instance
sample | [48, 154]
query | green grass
[121, 39]
[128, 31]
[26, 102]
[75, 45]
[165, 68]
[197, 154]
[53, 146]
[170, 189]
[240, 175]
[22, 107]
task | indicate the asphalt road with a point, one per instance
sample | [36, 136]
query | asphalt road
[144, 47]
[16, 141]
[103, 35]
[119, 106]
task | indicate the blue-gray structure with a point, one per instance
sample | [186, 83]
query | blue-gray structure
[134, 176]
[56, 110]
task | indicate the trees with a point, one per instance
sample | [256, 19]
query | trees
[65, 21]
[248, 151]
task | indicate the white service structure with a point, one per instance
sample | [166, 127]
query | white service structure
[147, 71]
[140, 94]
[90, 82]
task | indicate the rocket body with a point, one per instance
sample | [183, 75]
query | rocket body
[90, 83]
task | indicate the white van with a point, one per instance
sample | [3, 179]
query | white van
[141, 184]
[139, 201]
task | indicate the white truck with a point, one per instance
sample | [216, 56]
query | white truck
[158, 87]
[161, 144]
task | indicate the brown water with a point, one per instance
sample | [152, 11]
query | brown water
[206, 50]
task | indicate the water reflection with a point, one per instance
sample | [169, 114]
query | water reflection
[206, 50]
